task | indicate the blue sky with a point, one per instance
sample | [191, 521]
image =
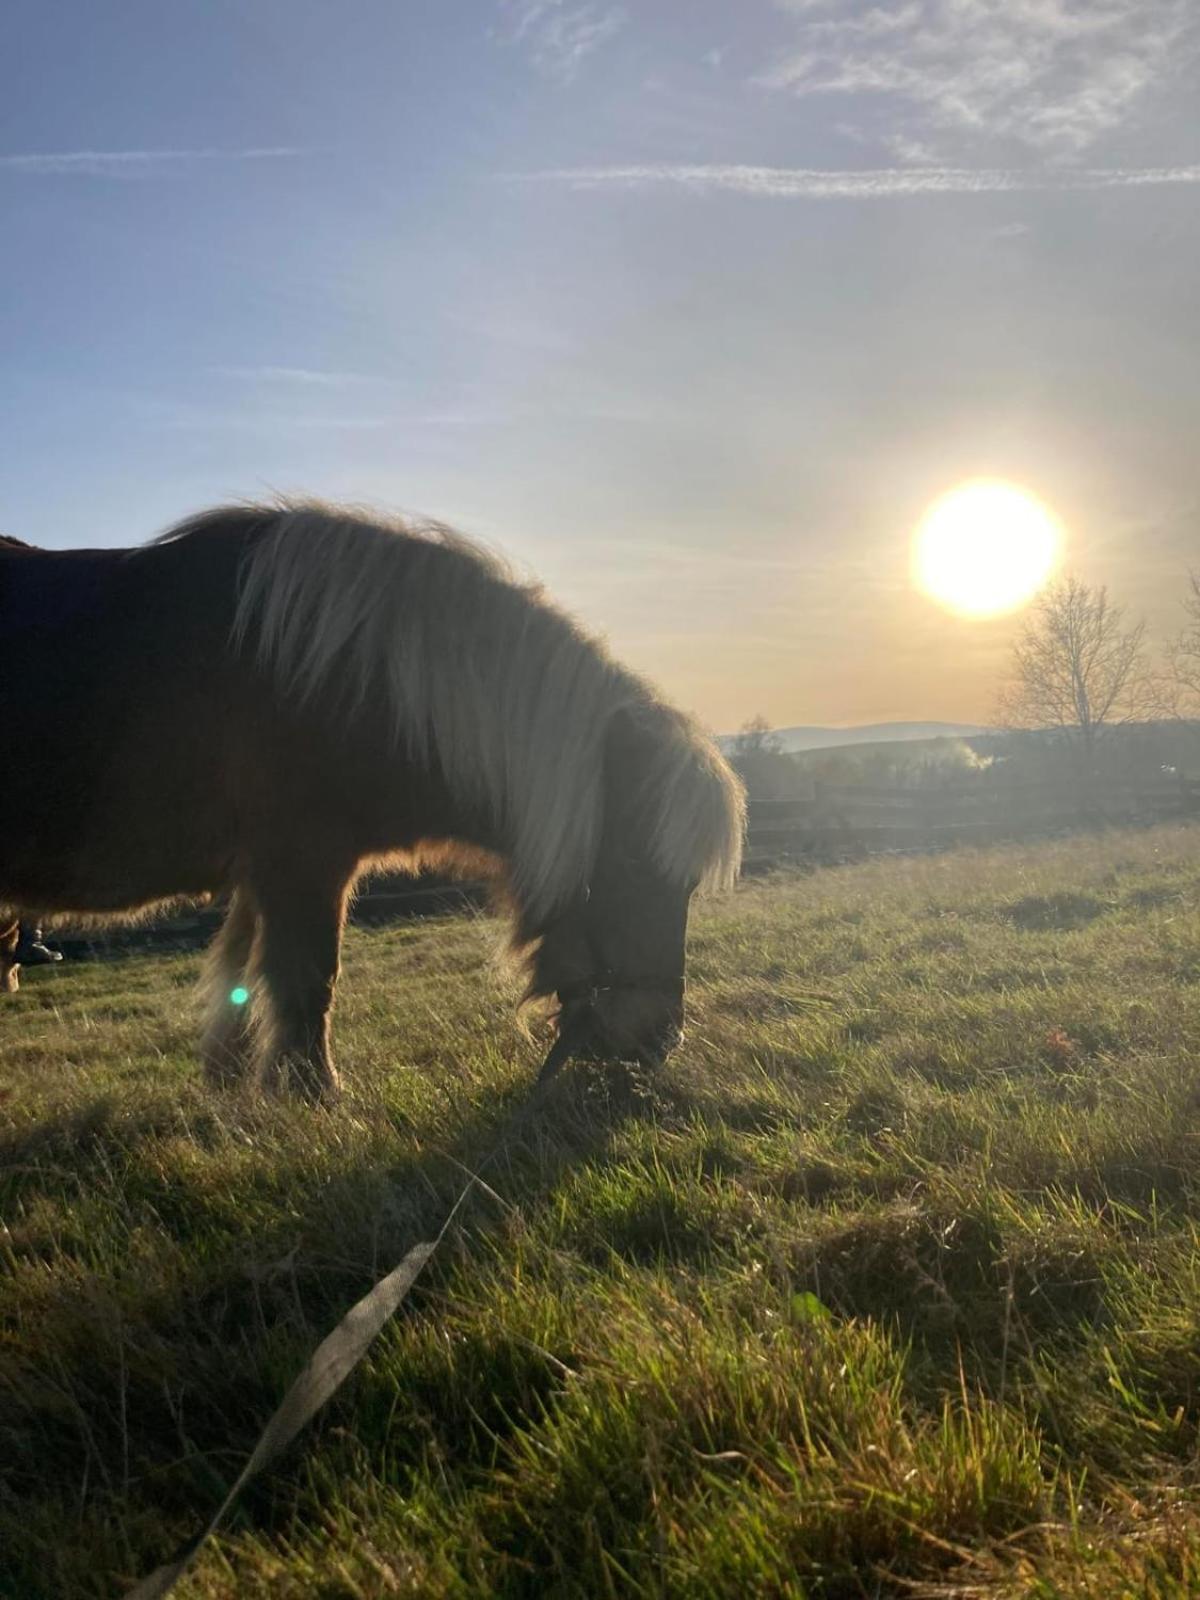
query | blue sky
[690, 308]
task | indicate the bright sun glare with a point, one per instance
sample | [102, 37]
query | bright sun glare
[985, 548]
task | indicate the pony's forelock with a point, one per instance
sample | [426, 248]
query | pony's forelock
[698, 806]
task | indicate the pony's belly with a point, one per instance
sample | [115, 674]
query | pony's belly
[64, 894]
[107, 872]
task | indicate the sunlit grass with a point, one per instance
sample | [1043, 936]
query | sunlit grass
[890, 1279]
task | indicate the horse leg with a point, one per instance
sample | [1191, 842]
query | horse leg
[298, 954]
[227, 1046]
[10, 933]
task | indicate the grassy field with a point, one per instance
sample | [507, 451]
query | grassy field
[889, 1284]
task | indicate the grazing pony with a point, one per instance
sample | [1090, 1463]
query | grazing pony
[268, 699]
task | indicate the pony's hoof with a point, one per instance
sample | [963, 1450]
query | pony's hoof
[326, 1090]
[225, 1069]
[317, 1083]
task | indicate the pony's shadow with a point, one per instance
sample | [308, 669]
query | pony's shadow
[165, 1397]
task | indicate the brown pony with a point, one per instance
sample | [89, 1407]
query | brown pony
[268, 699]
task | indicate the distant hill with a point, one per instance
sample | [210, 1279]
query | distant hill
[797, 739]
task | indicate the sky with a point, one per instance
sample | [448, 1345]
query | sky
[690, 308]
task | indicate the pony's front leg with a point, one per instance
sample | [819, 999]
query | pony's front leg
[300, 941]
[10, 934]
[227, 1047]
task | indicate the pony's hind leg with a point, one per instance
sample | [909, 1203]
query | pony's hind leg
[10, 933]
[227, 1047]
[300, 941]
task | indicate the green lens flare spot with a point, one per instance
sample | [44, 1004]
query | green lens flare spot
[239, 996]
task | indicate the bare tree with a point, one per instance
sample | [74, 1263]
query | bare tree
[759, 760]
[1183, 657]
[755, 738]
[1079, 668]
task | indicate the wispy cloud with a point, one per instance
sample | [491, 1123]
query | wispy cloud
[302, 377]
[310, 389]
[558, 35]
[198, 419]
[134, 163]
[810, 183]
[1051, 74]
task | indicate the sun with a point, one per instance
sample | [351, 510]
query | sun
[985, 548]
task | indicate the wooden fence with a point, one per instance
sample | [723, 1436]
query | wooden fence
[860, 818]
[832, 822]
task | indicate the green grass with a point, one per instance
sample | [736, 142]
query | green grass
[889, 1284]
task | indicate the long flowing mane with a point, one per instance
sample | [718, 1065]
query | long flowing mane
[484, 676]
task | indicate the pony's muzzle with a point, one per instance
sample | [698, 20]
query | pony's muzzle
[628, 1027]
[654, 1053]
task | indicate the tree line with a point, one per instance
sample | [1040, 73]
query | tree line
[1082, 683]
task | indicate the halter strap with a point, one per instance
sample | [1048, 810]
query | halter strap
[606, 981]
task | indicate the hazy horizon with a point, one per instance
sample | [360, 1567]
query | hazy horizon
[691, 310]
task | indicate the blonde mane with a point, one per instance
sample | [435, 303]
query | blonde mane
[488, 678]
